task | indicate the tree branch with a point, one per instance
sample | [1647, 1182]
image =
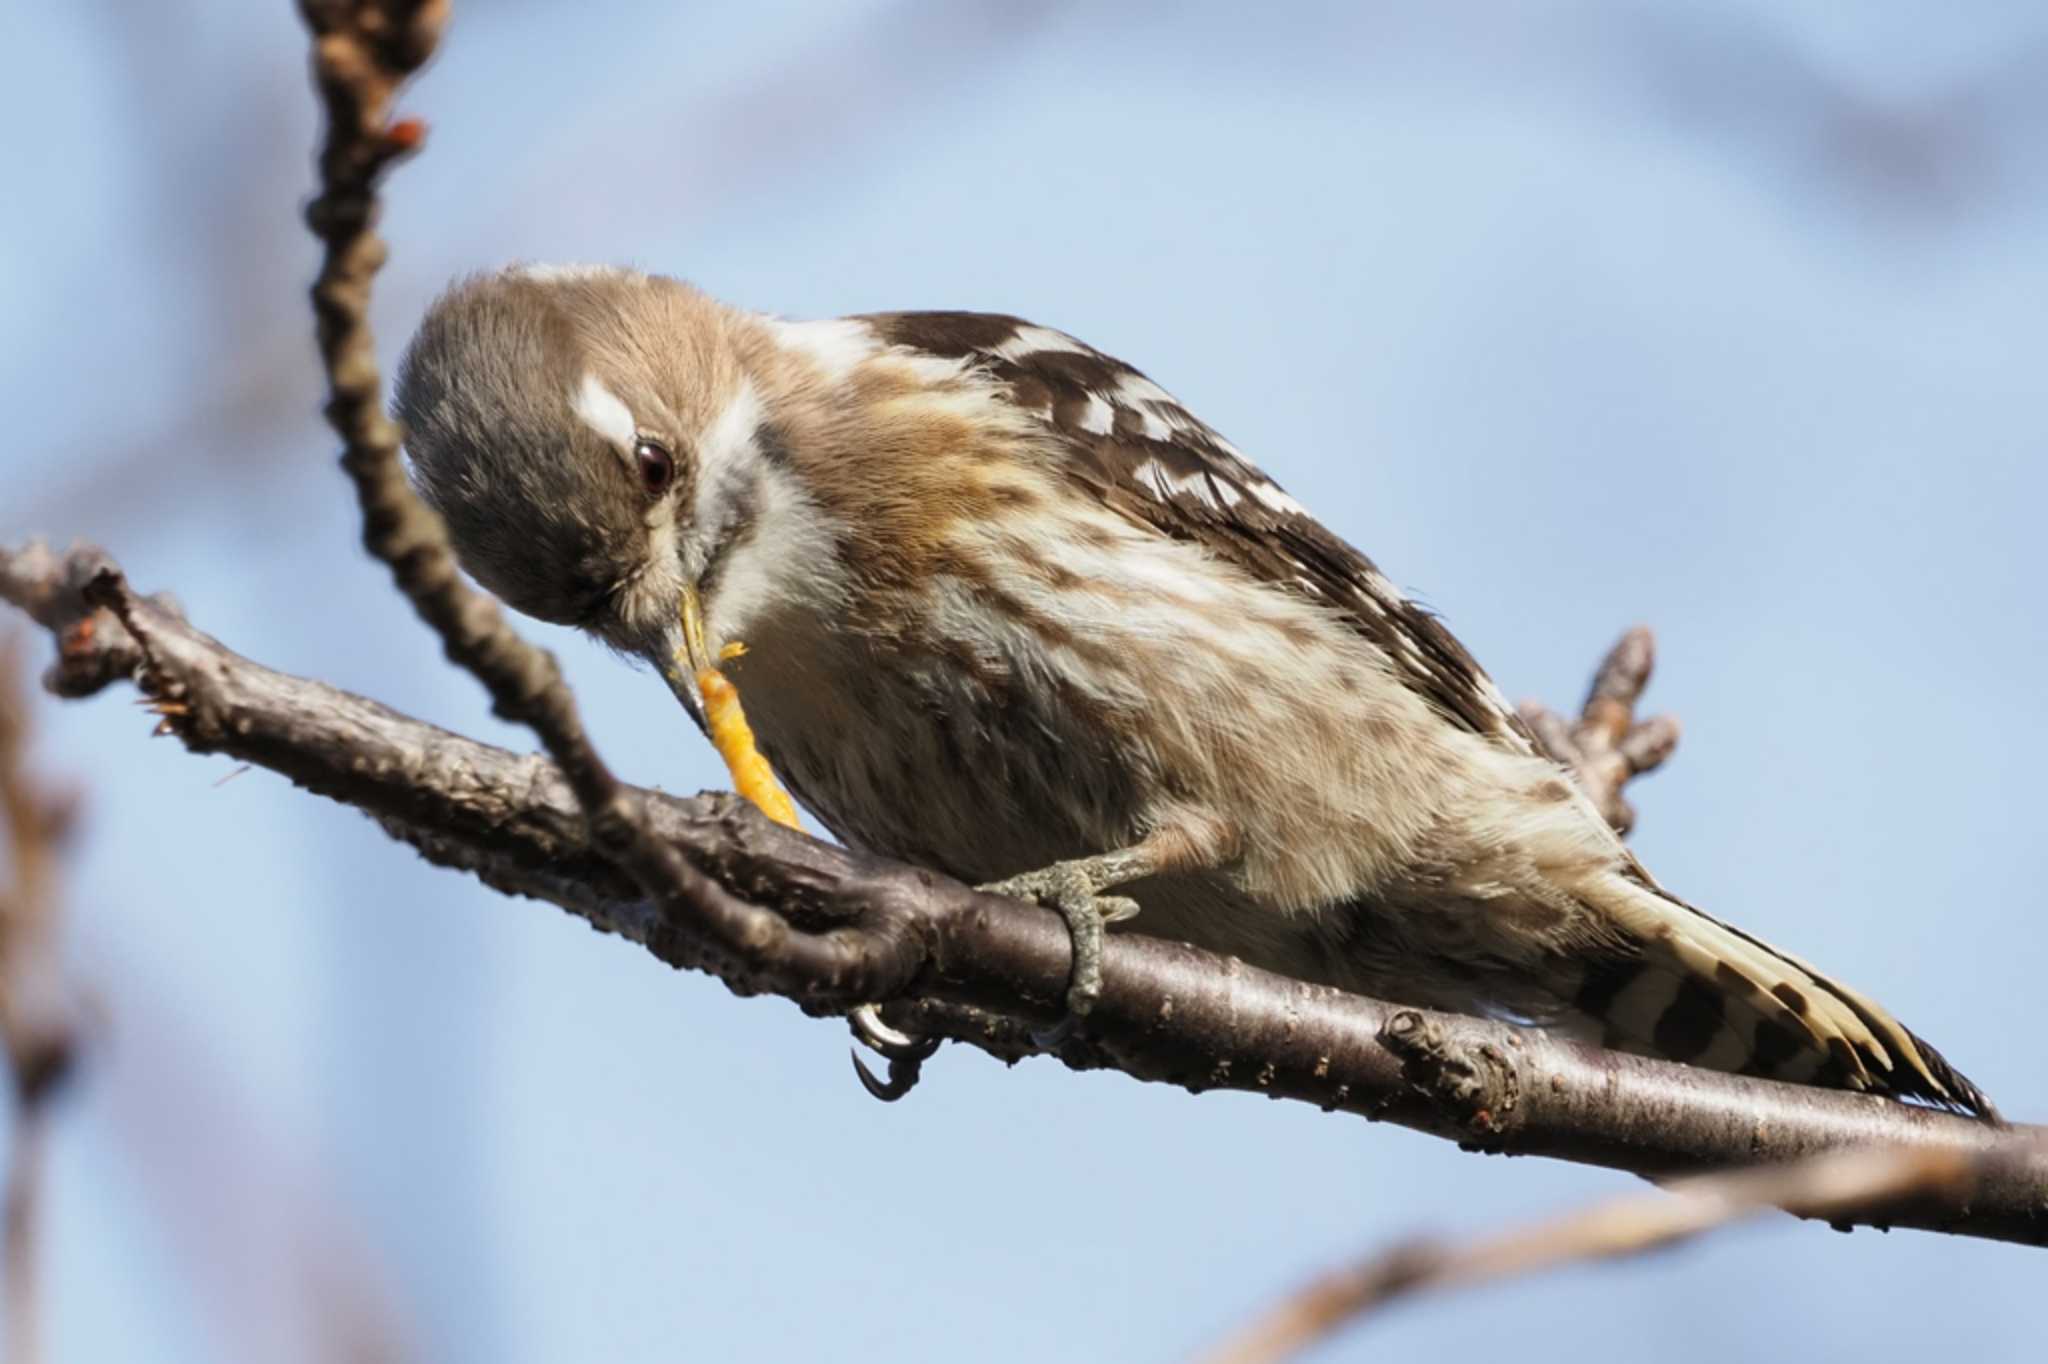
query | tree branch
[978, 968]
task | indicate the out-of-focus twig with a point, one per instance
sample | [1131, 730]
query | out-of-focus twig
[37, 1022]
[1842, 1185]
[1607, 747]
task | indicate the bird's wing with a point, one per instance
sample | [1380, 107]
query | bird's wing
[1132, 445]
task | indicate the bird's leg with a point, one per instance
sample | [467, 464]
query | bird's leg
[1073, 890]
[1070, 889]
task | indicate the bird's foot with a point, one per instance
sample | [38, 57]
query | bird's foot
[1073, 890]
[905, 1052]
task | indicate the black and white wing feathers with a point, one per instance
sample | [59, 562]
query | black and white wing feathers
[1136, 449]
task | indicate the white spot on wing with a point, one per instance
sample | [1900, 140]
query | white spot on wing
[1031, 340]
[1269, 493]
[1193, 484]
[601, 410]
[1097, 416]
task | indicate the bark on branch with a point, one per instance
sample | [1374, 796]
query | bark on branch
[976, 968]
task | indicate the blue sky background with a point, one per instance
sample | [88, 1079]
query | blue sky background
[1727, 318]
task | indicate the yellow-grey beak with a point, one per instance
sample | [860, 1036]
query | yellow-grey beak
[685, 655]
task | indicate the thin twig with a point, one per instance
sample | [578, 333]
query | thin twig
[24, 1217]
[1607, 747]
[985, 970]
[1840, 1186]
[37, 1026]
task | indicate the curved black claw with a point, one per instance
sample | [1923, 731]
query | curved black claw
[903, 1077]
[905, 1052]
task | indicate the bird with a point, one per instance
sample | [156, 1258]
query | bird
[1010, 611]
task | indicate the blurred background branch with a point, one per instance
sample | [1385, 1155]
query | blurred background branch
[45, 1022]
[1841, 1187]
[38, 1013]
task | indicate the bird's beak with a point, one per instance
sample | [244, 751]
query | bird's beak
[685, 655]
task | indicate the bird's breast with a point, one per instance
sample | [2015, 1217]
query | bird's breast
[1052, 697]
[944, 738]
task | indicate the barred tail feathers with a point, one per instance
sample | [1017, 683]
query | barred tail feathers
[1699, 991]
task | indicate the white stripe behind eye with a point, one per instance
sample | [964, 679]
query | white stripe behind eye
[601, 411]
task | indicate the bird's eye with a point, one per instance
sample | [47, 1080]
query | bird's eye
[657, 467]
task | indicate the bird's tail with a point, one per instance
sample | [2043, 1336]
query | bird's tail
[1688, 987]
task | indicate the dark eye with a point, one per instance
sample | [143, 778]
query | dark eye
[657, 467]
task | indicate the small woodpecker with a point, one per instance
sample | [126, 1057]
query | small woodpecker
[1012, 612]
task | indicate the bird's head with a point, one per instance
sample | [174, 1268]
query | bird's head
[600, 451]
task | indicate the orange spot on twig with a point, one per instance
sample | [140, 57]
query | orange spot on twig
[405, 135]
[77, 639]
